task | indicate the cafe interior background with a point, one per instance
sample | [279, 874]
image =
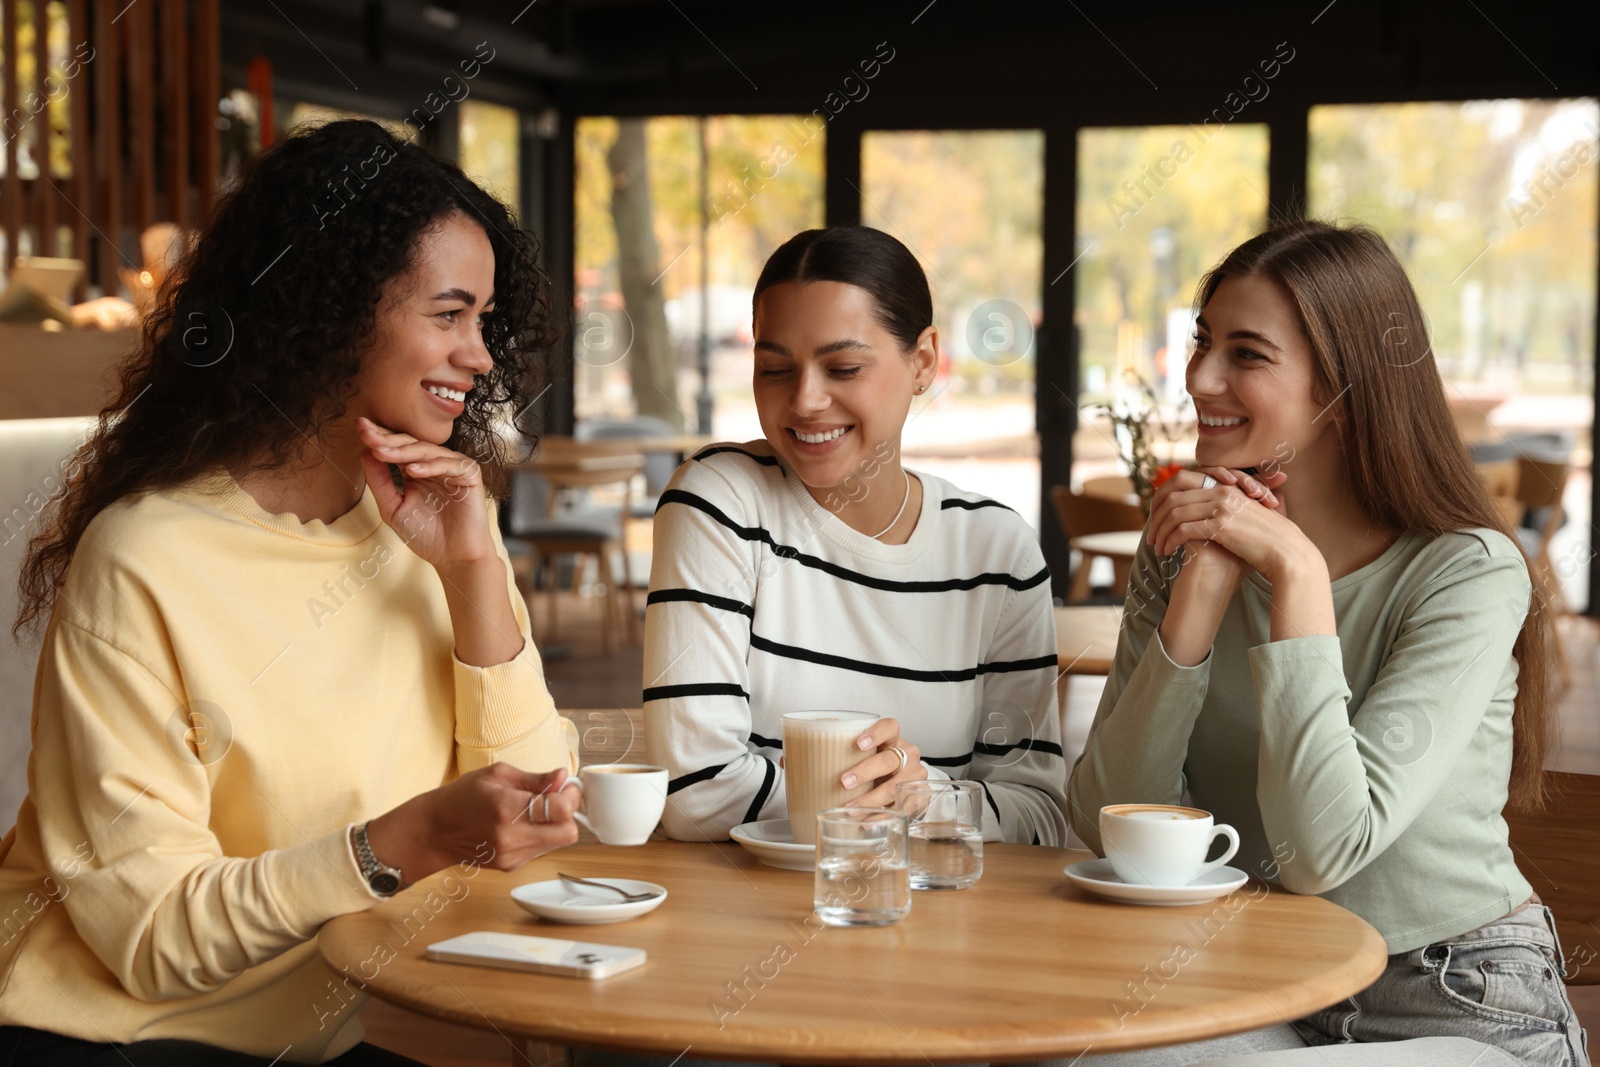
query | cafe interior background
[1065, 174]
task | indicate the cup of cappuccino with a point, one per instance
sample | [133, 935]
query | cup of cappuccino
[818, 747]
[1161, 844]
[622, 802]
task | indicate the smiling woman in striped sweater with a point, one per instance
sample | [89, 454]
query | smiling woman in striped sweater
[811, 570]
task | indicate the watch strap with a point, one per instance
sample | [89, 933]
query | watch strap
[382, 879]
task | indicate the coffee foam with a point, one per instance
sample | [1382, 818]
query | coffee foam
[1156, 812]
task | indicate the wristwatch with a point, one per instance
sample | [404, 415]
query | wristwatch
[384, 881]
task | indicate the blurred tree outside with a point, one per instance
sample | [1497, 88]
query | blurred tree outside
[969, 204]
[655, 385]
[1490, 205]
[1158, 206]
[490, 150]
[765, 175]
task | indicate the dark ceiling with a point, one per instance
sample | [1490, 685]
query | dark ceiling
[954, 61]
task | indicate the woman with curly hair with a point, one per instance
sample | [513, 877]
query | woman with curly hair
[285, 669]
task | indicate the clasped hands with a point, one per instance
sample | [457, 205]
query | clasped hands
[1236, 525]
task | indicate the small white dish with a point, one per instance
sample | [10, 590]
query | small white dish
[561, 902]
[772, 842]
[1098, 878]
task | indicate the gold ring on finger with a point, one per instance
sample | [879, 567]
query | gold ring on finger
[904, 759]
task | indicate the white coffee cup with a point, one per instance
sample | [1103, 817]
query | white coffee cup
[622, 802]
[1161, 844]
[818, 747]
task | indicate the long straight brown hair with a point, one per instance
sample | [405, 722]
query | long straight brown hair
[1407, 464]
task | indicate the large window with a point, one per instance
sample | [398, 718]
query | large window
[1490, 205]
[1158, 206]
[968, 204]
[645, 278]
[490, 150]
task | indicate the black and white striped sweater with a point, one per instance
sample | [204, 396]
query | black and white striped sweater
[764, 602]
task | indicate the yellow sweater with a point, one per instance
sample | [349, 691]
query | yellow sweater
[221, 693]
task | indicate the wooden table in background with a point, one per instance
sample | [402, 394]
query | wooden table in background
[51, 374]
[560, 448]
[581, 467]
[1022, 966]
[1086, 642]
[1119, 546]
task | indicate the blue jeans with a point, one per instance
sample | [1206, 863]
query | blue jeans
[1499, 984]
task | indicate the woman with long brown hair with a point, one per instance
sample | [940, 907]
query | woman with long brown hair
[285, 670]
[1331, 642]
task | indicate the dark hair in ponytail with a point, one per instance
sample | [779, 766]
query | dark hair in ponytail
[867, 259]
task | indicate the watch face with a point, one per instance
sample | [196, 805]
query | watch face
[384, 882]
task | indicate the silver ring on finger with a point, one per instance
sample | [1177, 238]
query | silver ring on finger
[1208, 482]
[904, 759]
[544, 809]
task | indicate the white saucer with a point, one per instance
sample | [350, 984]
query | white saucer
[563, 903]
[1098, 878]
[771, 842]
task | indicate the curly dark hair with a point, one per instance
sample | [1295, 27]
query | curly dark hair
[255, 342]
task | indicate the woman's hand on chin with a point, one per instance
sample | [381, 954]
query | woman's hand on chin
[441, 515]
[1236, 526]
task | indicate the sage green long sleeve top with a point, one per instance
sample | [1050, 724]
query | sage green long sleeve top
[1369, 768]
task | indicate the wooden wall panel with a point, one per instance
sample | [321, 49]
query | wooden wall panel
[107, 164]
[11, 210]
[205, 88]
[142, 83]
[82, 170]
[44, 240]
[141, 97]
[175, 109]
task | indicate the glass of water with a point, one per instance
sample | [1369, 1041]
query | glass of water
[862, 867]
[946, 827]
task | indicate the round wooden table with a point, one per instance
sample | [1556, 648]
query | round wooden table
[1022, 966]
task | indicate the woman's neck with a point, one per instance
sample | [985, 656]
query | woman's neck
[884, 506]
[323, 481]
[1322, 502]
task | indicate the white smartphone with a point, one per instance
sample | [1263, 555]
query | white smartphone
[542, 955]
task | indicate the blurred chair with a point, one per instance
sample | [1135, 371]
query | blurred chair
[1085, 520]
[1540, 486]
[1541, 482]
[34, 457]
[658, 466]
[1114, 487]
[1499, 476]
[574, 530]
[1555, 851]
[1086, 643]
